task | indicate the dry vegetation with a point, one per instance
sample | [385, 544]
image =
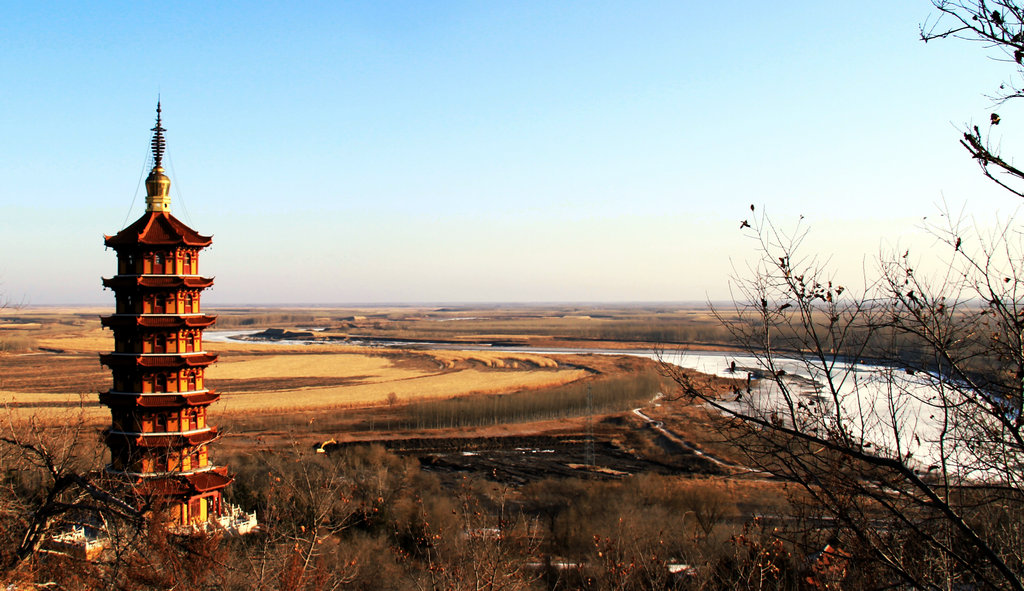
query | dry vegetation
[568, 325]
[470, 418]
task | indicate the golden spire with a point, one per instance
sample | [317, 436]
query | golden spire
[158, 186]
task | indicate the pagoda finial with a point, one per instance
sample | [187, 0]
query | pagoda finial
[158, 186]
[158, 138]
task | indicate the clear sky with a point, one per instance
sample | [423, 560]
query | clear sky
[382, 152]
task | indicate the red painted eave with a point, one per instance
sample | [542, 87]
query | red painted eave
[167, 441]
[157, 228]
[122, 281]
[169, 400]
[157, 361]
[128, 321]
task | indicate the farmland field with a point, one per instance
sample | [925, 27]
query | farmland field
[341, 388]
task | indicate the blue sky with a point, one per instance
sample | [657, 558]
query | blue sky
[381, 152]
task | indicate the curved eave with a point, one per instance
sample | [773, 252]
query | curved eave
[144, 321]
[157, 282]
[155, 401]
[186, 485]
[170, 361]
[157, 228]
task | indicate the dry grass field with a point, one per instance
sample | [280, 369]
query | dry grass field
[555, 435]
[276, 383]
[350, 388]
[58, 368]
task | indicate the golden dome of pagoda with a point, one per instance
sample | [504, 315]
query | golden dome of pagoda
[158, 185]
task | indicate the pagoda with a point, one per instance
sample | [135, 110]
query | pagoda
[159, 437]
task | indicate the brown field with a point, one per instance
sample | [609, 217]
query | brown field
[282, 393]
[553, 435]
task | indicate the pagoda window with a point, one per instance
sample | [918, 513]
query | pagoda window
[160, 346]
[172, 383]
[147, 384]
[173, 422]
[160, 423]
[147, 423]
[124, 304]
[203, 457]
[189, 260]
[201, 418]
[189, 303]
[186, 462]
[192, 382]
[158, 264]
[173, 461]
[160, 383]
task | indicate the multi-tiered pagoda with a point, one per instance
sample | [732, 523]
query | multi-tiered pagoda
[159, 436]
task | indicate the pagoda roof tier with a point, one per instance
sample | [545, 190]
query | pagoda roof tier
[173, 440]
[157, 228]
[169, 400]
[147, 321]
[158, 281]
[157, 361]
[186, 485]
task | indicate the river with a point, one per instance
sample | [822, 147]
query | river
[889, 409]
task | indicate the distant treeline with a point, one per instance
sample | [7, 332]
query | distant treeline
[570, 400]
[652, 327]
[264, 319]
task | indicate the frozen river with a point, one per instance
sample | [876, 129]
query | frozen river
[890, 409]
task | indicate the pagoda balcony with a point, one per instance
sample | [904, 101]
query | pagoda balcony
[169, 321]
[165, 439]
[158, 282]
[157, 360]
[168, 473]
[157, 275]
[156, 400]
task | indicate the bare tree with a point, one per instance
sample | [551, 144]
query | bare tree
[897, 402]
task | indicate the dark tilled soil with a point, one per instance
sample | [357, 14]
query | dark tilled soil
[524, 459]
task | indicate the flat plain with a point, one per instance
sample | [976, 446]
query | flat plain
[422, 380]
